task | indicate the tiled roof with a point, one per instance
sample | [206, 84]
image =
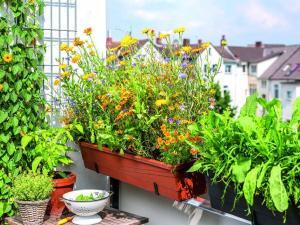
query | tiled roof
[225, 53]
[286, 67]
[247, 54]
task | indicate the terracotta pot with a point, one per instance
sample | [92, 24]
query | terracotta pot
[61, 186]
[169, 181]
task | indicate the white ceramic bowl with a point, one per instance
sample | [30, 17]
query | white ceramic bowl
[86, 208]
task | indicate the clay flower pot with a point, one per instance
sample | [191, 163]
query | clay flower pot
[61, 186]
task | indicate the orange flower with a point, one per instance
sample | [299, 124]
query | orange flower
[118, 107]
[7, 57]
[163, 127]
[176, 132]
[78, 42]
[181, 137]
[88, 31]
[56, 82]
[194, 151]
[159, 141]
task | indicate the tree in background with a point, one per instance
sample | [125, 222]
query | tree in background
[222, 101]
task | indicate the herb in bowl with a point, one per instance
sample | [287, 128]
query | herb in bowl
[86, 198]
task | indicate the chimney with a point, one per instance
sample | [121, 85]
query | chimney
[186, 42]
[199, 42]
[109, 41]
[258, 44]
[158, 41]
[223, 42]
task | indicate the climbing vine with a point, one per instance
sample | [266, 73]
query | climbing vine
[21, 81]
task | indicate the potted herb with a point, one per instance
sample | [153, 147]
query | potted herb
[47, 150]
[257, 156]
[32, 193]
[136, 107]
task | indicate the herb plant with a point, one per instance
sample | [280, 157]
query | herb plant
[91, 197]
[47, 149]
[258, 154]
[32, 187]
[21, 81]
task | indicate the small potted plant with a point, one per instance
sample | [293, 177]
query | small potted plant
[32, 193]
[47, 150]
[255, 157]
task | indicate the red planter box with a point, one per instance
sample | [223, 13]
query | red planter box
[151, 175]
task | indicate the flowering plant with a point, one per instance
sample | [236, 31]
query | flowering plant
[139, 99]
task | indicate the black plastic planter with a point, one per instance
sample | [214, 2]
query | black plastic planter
[216, 191]
[263, 216]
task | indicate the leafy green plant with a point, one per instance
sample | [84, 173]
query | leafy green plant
[32, 187]
[21, 81]
[91, 197]
[49, 148]
[259, 154]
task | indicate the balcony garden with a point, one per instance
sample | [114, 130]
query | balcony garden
[157, 122]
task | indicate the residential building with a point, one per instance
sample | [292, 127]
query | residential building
[282, 78]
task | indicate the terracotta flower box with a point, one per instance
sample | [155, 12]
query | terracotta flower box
[169, 181]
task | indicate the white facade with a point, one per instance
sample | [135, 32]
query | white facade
[230, 77]
[285, 91]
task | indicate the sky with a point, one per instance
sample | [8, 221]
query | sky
[242, 21]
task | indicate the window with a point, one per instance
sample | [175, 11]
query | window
[276, 91]
[205, 68]
[214, 68]
[253, 69]
[225, 90]
[264, 84]
[244, 68]
[252, 89]
[227, 68]
[289, 95]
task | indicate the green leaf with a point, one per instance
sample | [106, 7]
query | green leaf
[35, 164]
[250, 107]
[4, 138]
[11, 148]
[194, 129]
[240, 169]
[262, 174]
[3, 116]
[25, 141]
[277, 190]
[196, 167]
[249, 186]
[79, 128]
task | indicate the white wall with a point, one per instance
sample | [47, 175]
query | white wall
[160, 210]
[264, 65]
[92, 13]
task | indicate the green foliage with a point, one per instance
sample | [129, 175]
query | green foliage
[32, 187]
[258, 152]
[223, 101]
[49, 148]
[84, 198]
[21, 104]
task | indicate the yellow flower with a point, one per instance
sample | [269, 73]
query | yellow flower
[115, 49]
[179, 30]
[90, 45]
[92, 53]
[56, 82]
[88, 31]
[65, 74]
[122, 63]
[1, 87]
[205, 45]
[161, 102]
[224, 43]
[88, 76]
[70, 49]
[164, 35]
[186, 49]
[148, 31]
[63, 66]
[127, 41]
[78, 42]
[31, 2]
[111, 58]
[64, 47]
[7, 57]
[76, 58]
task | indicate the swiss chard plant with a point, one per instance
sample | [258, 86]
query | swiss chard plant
[21, 80]
[258, 152]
